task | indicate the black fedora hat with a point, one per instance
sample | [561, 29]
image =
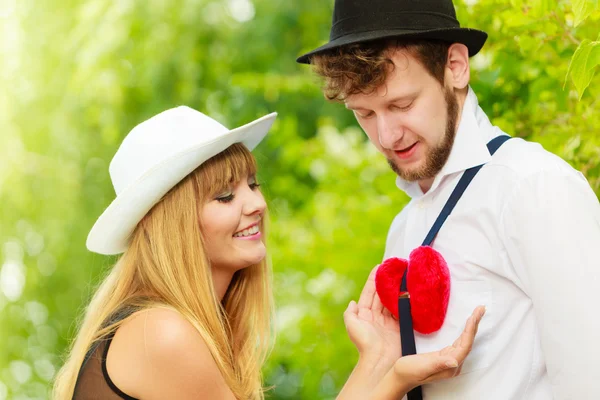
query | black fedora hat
[357, 21]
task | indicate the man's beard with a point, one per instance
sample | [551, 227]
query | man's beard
[436, 157]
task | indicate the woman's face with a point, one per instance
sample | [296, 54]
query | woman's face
[231, 222]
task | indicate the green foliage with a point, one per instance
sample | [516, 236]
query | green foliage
[583, 65]
[587, 56]
[76, 76]
[582, 9]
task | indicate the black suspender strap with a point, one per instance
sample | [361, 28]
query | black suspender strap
[407, 335]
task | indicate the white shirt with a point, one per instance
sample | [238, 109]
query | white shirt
[524, 240]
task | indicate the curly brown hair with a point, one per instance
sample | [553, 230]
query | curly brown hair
[364, 67]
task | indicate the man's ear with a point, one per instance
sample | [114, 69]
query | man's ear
[458, 71]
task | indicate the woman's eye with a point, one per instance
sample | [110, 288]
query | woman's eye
[225, 199]
[252, 183]
[365, 116]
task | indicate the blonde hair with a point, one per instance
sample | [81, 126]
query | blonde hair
[165, 265]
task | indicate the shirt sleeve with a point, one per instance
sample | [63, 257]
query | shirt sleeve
[551, 229]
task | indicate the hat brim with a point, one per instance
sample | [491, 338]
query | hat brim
[111, 232]
[472, 38]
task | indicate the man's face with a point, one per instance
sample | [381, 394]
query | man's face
[411, 119]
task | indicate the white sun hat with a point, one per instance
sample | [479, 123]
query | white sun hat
[156, 155]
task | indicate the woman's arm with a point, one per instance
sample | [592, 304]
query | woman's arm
[366, 376]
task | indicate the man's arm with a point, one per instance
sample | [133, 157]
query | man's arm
[551, 229]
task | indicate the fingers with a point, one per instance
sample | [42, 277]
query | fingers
[377, 306]
[447, 363]
[368, 293]
[424, 368]
[468, 335]
[441, 367]
[352, 307]
[462, 346]
[351, 311]
[473, 322]
[387, 314]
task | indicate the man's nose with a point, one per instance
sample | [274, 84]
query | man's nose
[389, 132]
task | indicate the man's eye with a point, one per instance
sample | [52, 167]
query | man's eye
[225, 199]
[365, 116]
[405, 108]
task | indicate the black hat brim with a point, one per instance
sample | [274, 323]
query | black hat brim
[472, 38]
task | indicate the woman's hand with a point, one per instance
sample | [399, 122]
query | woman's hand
[376, 335]
[381, 372]
[415, 370]
[372, 328]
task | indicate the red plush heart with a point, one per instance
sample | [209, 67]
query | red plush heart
[427, 281]
[387, 282]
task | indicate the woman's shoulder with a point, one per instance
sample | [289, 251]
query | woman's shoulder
[165, 329]
[158, 353]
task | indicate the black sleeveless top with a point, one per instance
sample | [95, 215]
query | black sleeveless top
[93, 381]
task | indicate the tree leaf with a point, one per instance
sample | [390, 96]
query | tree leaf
[583, 64]
[541, 8]
[517, 4]
[582, 9]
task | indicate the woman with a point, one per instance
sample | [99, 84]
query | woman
[185, 313]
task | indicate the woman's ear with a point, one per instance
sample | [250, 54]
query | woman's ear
[458, 71]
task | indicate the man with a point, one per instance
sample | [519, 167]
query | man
[524, 239]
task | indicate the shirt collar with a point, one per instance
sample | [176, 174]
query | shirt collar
[469, 149]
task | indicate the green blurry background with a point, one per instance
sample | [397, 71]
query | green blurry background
[76, 76]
